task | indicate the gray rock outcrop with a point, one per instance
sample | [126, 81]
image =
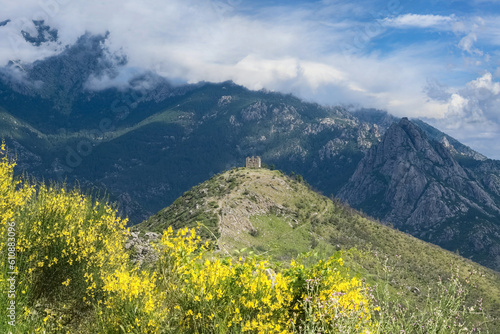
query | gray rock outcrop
[417, 185]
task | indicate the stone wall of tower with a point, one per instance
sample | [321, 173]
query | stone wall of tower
[253, 162]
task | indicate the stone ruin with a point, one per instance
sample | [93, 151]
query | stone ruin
[253, 162]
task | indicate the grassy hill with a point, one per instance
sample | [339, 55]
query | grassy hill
[265, 212]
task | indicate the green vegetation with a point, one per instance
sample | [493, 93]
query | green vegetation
[270, 214]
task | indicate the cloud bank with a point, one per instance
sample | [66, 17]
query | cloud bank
[473, 114]
[373, 53]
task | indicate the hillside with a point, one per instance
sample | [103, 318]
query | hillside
[75, 273]
[267, 212]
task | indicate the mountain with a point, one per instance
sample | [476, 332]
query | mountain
[456, 148]
[148, 141]
[267, 212]
[417, 184]
[83, 117]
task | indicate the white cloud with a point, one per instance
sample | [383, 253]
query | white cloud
[290, 50]
[213, 41]
[467, 43]
[473, 115]
[488, 29]
[420, 21]
[484, 87]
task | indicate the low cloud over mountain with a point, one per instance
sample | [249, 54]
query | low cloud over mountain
[375, 54]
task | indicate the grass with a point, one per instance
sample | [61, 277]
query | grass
[278, 237]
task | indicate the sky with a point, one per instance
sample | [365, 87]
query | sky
[434, 60]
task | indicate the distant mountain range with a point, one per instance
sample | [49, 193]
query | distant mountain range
[144, 142]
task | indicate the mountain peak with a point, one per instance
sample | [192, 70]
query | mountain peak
[405, 145]
[407, 134]
[416, 184]
[74, 65]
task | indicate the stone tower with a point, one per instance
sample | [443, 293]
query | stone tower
[253, 162]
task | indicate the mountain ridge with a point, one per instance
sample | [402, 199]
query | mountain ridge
[266, 212]
[417, 185]
[147, 141]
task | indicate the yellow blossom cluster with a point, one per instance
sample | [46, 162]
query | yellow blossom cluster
[13, 194]
[133, 302]
[65, 244]
[247, 295]
[64, 236]
[330, 301]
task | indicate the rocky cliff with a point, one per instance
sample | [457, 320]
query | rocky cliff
[417, 185]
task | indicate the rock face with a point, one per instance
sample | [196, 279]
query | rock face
[141, 247]
[417, 185]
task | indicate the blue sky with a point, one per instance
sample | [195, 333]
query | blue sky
[436, 60]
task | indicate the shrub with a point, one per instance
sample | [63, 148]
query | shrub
[65, 246]
[212, 294]
[328, 300]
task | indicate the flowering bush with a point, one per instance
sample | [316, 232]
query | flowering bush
[210, 294]
[66, 245]
[330, 301]
[133, 303]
